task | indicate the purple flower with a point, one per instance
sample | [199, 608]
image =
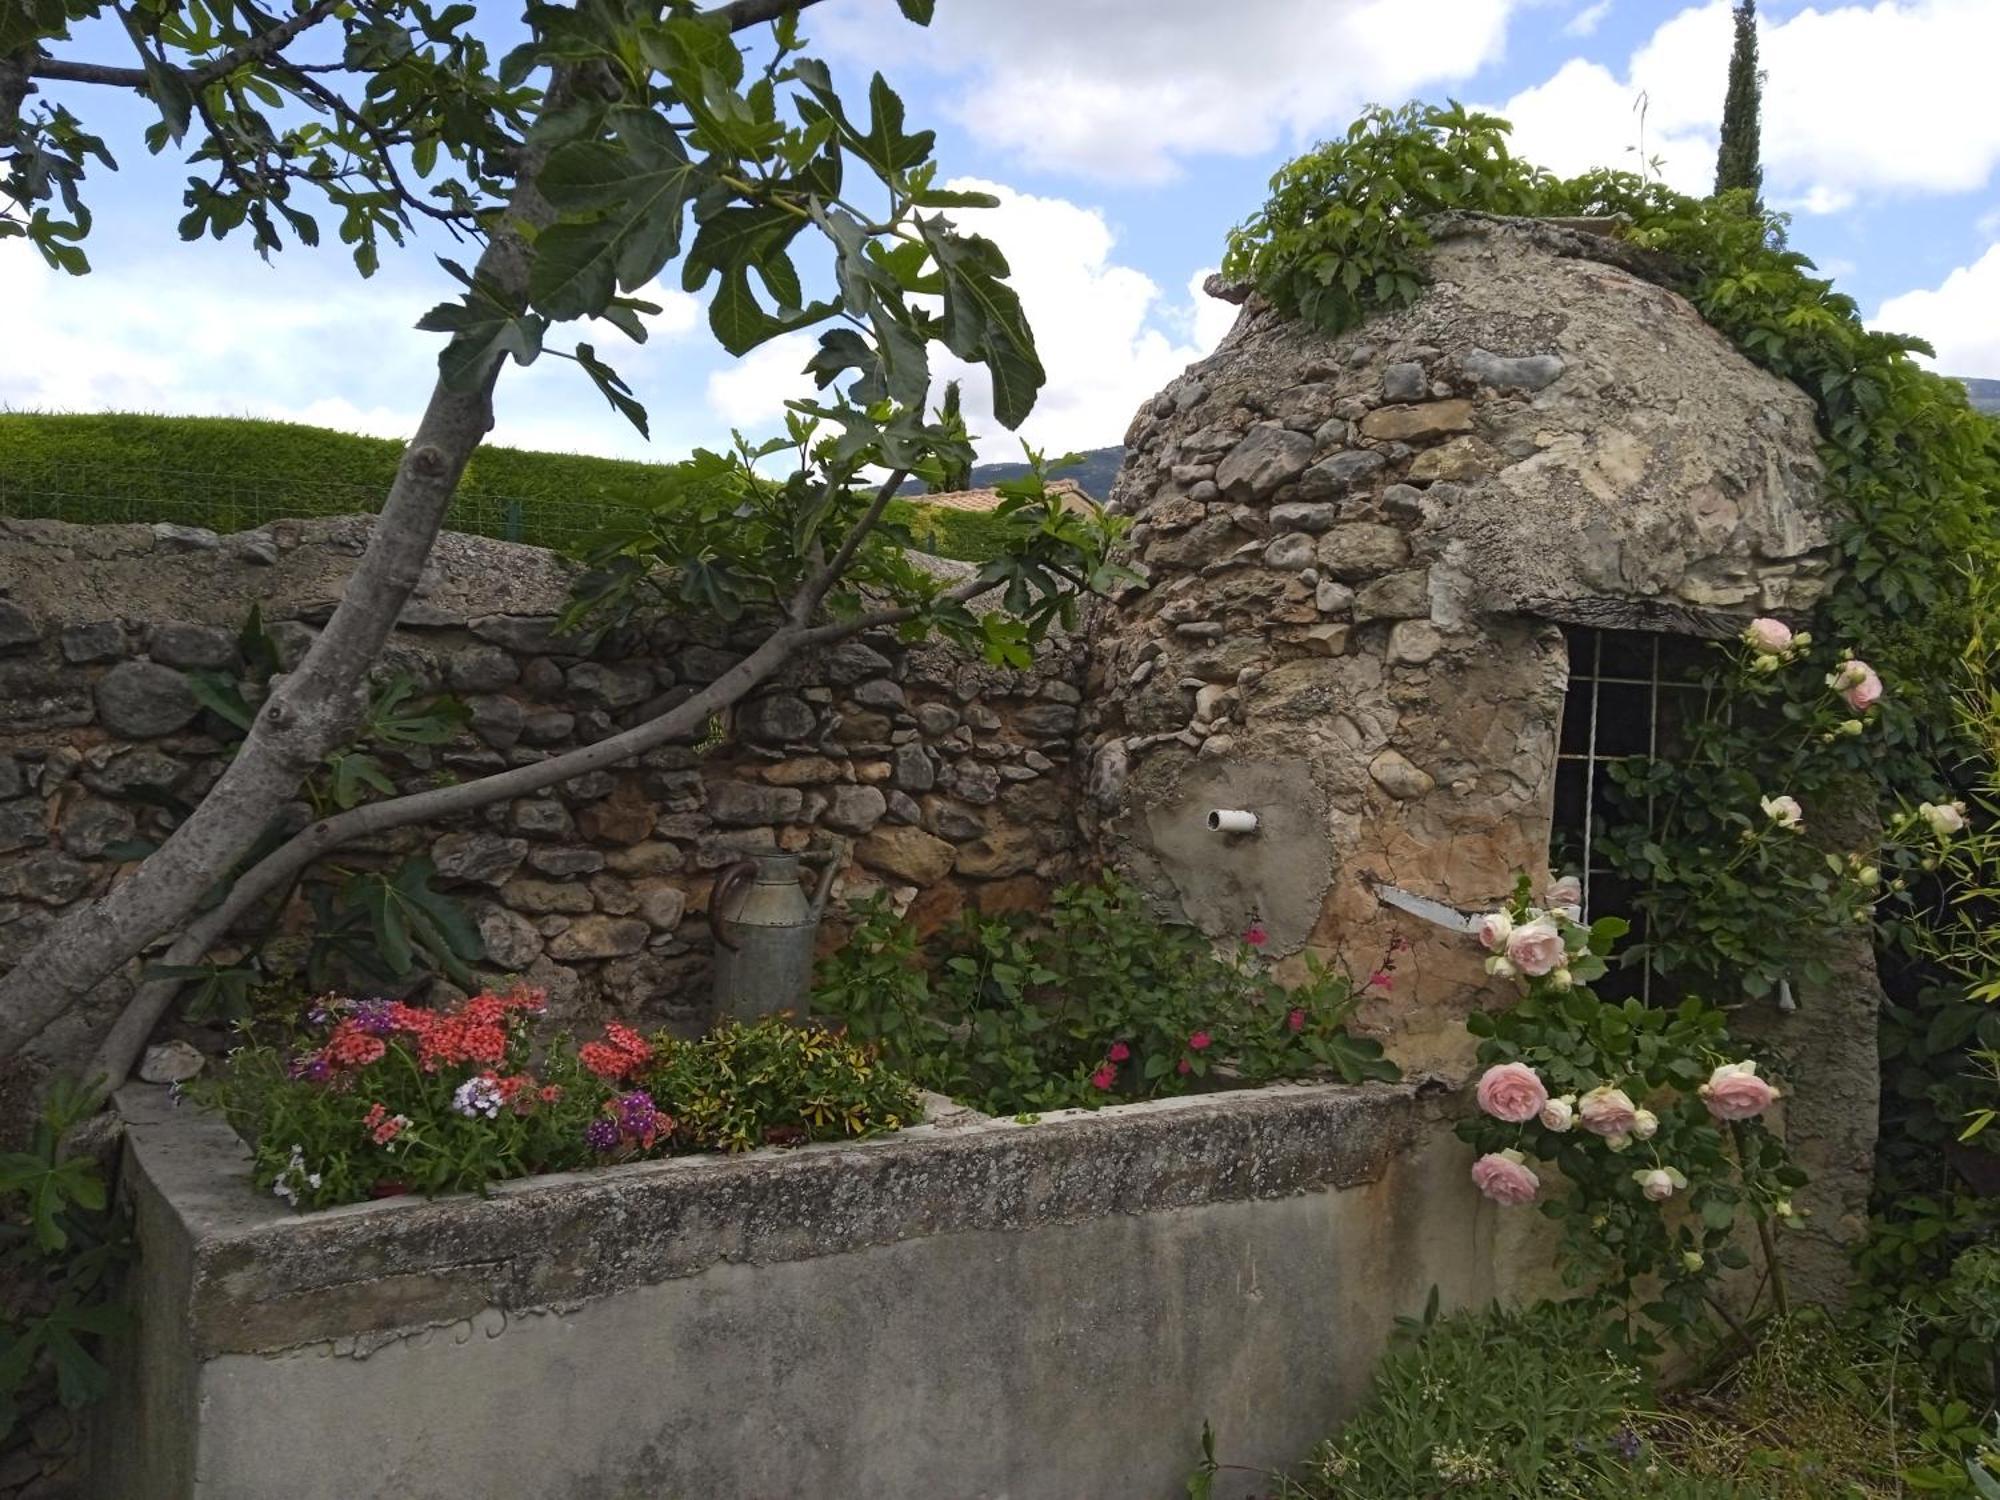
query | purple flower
[311, 1066]
[1627, 1443]
[601, 1135]
[373, 1017]
[636, 1112]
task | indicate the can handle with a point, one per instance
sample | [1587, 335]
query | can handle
[727, 884]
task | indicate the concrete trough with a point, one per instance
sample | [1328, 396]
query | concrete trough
[973, 1309]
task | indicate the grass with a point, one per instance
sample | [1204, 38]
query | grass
[235, 474]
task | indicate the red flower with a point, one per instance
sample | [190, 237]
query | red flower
[1104, 1077]
[350, 1047]
[1200, 1041]
[1184, 1066]
[629, 1042]
[1381, 980]
[549, 1093]
[606, 1062]
[1256, 937]
[1296, 1021]
[1119, 1052]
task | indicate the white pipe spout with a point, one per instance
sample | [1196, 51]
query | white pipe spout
[1231, 820]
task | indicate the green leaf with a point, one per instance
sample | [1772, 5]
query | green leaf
[919, 11]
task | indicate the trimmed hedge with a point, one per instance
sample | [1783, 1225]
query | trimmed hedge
[235, 474]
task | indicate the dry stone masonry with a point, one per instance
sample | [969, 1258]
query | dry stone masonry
[1357, 551]
[941, 780]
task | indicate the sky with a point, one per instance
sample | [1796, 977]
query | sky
[1124, 138]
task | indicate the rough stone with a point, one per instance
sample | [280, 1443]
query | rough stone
[12, 782]
[1394, 773]
[1304, 515]
[18, 629]
[805, 770]
[998, 854]
[1339, 474]
[775, 719]
[1405, 382]
[565, 861]
[1268, 456]
[653, 857]
[1331, 598]
[624, 817]
[196, 647]
[747, 803]
[1414, 642]
[906, 854]
[880, 693]
[850, 662]
[142, 700]
[543, 897]
[511, 940]
[1528, 372]
[23, 825]
[48, 877]
[1290, 552]
[91, 826]
[478, 858]
[599, 936]
[1417, 424]
[542, 816]
[99, 640]
[1358, 550]
[482, 669]
[936, 718]
[1046, 720]
[662, 905]
[913, 768]
[1397, 596]
[170, 1062]
[855, 809]
[614, 686]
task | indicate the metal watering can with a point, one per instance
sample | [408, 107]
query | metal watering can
[765, 930]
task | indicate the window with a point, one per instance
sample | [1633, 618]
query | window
[1629, 692]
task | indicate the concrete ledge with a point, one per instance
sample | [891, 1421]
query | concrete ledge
[977, 1309]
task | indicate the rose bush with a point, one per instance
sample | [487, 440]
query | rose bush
[1642, 1131]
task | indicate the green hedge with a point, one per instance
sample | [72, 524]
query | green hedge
[233, 474]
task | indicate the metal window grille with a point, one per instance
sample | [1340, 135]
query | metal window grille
[1628, 696]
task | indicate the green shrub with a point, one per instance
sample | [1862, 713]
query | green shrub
[233, 474]
[1496, 1405]
[375, 1098]
[1095, 1002]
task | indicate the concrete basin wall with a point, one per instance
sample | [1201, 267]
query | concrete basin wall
[995, 1311]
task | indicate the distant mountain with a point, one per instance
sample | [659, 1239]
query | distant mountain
[1094, 474]
[1985, 395]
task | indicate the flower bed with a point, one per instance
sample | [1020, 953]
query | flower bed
[376, 1098]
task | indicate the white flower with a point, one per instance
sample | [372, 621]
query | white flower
[1944, 818]
[1559, 1115]
[1494, 929]
[1768, 636]
[1691, 1260]
[1645, 1124]
[477, 1096]
[1785, 812]
[1499, 966]
[1567, 891]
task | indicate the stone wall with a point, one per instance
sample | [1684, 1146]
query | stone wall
[969, 1308]
[946, 781]
[1357, 550]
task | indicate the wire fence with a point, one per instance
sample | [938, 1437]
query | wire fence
[99, 495]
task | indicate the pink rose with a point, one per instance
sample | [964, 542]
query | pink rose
[1567, 891]
[1767, 635]
[1659, 1183]
[1535, 947]
[1200, 1041]
[1119, 1052]
[1504, 1177]
[1494, 929]
[1512, 1092]
[1559, 1115]
[1607, 1111]
[1104, 1077]
[1857, 683]
[1735, 1092]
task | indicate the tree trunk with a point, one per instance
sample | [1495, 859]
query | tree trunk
[311, 710]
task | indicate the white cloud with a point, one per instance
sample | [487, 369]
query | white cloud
[750, 395]
[1586, 21]
[211, 331]
[1119, 89]
[1880, 98]
[1960, 317]
[1107, 336]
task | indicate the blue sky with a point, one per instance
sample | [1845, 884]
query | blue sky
[1125, 137]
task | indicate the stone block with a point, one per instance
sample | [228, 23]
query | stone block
[1417, 424]
[1269, 455]
[142, 700]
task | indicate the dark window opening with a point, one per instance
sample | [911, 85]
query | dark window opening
[1630, 694]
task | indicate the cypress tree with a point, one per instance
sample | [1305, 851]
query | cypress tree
[1738, 163]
